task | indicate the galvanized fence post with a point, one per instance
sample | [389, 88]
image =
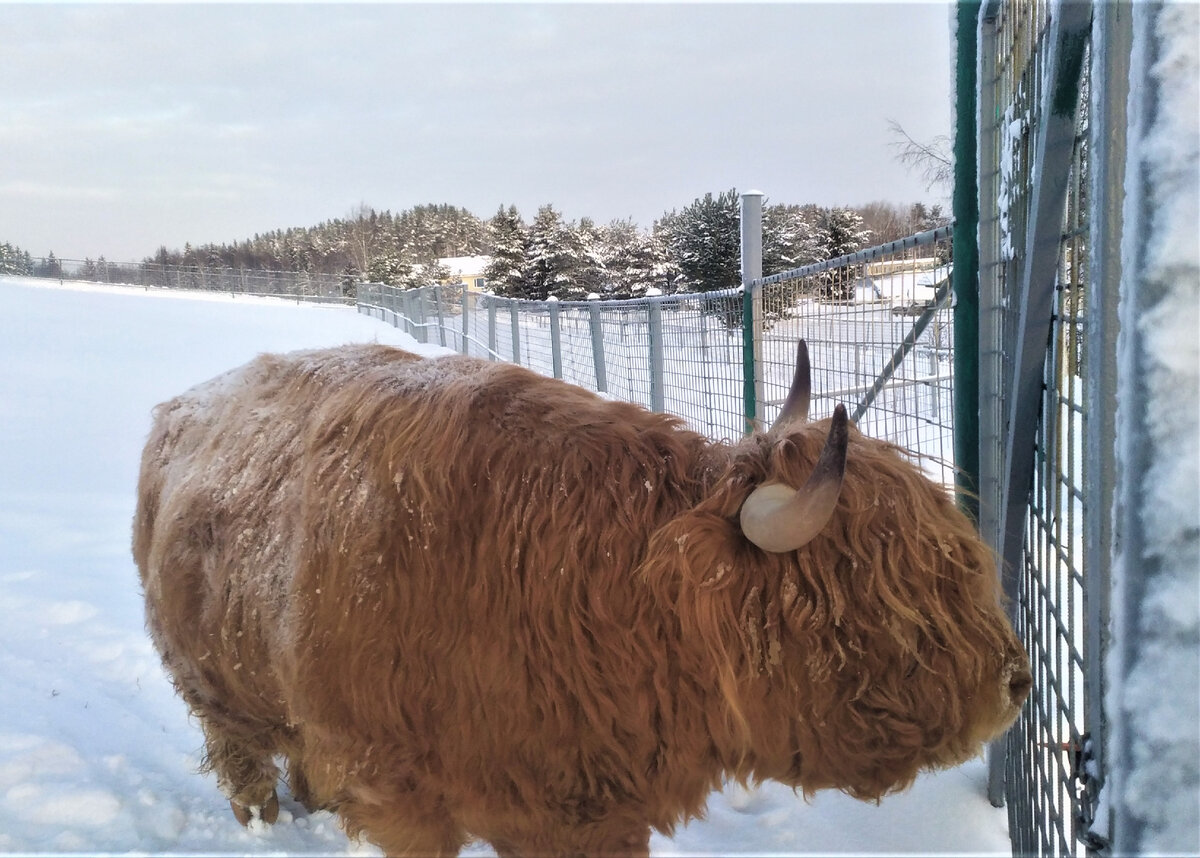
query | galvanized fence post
[516, 331]
[419, 300]
[555, 337]
[657, 392]
[466, 318]
[1055, 139]
[491, 308]
[598, 345]
[1153, 740]
[441, 316]
[1113, 31]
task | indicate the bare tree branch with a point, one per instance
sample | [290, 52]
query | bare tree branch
[931, 159]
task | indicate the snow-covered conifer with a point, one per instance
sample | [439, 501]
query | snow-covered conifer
[705, 242]
[505, 274]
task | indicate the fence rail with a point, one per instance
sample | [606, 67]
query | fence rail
[878, 329]
[294, 285]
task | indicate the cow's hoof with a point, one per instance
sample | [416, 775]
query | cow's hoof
[311, 805]
[266, 813]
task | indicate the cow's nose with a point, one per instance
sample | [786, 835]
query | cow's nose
[1019, 684]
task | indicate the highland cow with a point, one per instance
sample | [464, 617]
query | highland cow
[462, 600]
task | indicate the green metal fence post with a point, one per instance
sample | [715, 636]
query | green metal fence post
[965, 276]
[751, 252]
[748, 386]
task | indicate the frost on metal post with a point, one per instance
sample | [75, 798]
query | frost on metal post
[1153, 673]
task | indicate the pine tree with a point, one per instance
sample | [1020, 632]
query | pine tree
[14, 260]
[790, 239]
[705, 242]
[922, 218]
[505, 274]
[389, 268]
[590, 273]
[554, 258]
[634, 261]
[843, 233]
[50, 267]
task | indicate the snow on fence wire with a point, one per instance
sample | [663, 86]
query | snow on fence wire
[294, 285]
[1047, 304]
[881, 344]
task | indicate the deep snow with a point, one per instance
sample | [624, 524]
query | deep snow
[96, 752]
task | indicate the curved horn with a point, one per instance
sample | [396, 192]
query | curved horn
[778, 518]
[795, 407]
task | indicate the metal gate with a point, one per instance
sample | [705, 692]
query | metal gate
[1051, 152]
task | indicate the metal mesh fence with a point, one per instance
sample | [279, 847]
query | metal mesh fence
[1058, 575]
[878, 329]
[296, 285]
[672, 353]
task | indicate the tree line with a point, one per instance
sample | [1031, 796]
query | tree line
[14, 260]
[693, 249]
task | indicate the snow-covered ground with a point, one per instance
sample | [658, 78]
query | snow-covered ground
[96, 752]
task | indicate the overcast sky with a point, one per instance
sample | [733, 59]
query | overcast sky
[123, 128]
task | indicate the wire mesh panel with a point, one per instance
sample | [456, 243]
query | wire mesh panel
[1054, 768]
[878, 328]
[298, 285]
[880, 336]
[703, 363]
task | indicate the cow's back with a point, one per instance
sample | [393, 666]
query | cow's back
[424, 561]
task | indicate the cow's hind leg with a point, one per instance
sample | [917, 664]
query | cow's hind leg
[245, 770]
[303, 790]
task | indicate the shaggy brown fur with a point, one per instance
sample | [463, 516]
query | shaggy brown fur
[464, 600]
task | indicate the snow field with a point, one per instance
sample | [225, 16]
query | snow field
[97, 754]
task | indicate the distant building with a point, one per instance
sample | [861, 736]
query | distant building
[467, 269]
